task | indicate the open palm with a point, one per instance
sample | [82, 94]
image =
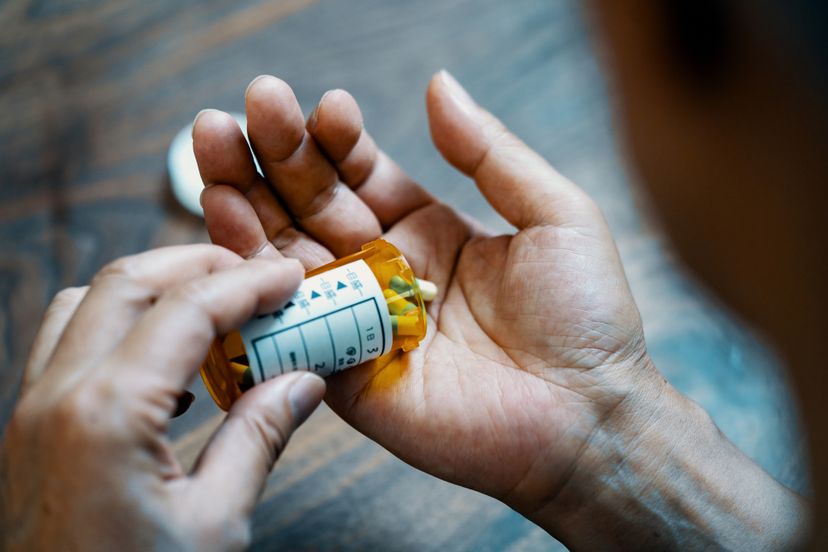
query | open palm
[534, 339]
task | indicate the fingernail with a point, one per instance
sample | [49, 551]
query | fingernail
[201, 195]
[457, 92]
[183, 402]
[315, 115]
[195, 119]
[249, 86]
[305, 395]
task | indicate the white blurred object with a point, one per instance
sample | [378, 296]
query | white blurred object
[428, 290]
[185, 181]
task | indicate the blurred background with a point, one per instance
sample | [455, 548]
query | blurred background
[92, 92]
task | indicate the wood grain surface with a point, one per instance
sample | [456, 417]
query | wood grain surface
[92, 92]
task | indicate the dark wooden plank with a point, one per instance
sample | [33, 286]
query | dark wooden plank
[91, 92]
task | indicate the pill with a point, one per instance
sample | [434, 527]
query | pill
[243, 375]
[399, 284]
[428, 290]
[238, 369]
[396, 304]
[405, 325]
[247, 380]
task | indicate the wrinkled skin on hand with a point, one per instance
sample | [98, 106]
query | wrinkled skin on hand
[85, 462]
[534, 340]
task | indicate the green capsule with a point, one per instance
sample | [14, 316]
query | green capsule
[247, 380]
[405, 325]
[399, 284]
[396, 303]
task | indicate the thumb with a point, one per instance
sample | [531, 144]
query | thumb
[518, 182]
[236, 462]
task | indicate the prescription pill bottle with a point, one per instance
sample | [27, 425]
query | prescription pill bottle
[347, 312]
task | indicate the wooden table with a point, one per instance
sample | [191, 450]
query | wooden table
[92, 91]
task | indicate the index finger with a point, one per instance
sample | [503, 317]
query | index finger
[166, 347]
[120, 294]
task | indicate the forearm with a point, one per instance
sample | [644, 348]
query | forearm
[661, 476]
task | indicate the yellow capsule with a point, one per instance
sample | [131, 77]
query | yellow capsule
[396, 304]
[243, 375]
[238, 370]
[405, 325]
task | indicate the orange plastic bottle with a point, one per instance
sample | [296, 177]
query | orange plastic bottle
[345, 313]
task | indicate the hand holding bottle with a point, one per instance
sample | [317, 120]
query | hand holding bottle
[85, 461]
[533, 384]
[535, 352]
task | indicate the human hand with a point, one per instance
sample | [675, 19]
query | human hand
[535, 351]
[85, 462]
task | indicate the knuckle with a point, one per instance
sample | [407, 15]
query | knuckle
[81, 414]
[67, 297]
[285, 237]
[583, 203]
[220, 529]
[320, 201]
[195, 293]
[21, 422]
[499, 135]
[268, 431]
[237, 534]
[217, 252]
[126, 268]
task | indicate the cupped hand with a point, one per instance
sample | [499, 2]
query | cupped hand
[85, 462]
[535, 344]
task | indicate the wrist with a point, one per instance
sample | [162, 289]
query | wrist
[656, 472]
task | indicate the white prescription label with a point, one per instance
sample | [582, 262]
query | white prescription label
[336, 320]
